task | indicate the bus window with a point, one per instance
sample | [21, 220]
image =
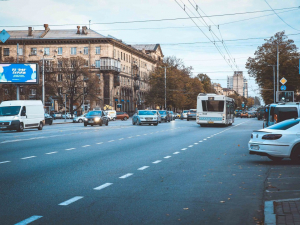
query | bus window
[285, 113]
[272, 109]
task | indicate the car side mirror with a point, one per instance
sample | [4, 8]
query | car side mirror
[23, 113]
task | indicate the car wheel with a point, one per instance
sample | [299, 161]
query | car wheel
[21, 127]
[295, 155]
[85, 124]
[106, 123]
[125, 118]
[40, 126]
[138, 123]
[275, 159]
[155, 124]
[80, 120]
[51, 121]
[187, 119]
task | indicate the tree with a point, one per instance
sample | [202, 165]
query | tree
[206, 81]
[267, 55]
[71, 76]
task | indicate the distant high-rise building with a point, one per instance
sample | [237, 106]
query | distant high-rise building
[245, 89]
[238, 83]
[230, 82]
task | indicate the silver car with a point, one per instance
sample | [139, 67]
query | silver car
[144, 117]
[156, 112]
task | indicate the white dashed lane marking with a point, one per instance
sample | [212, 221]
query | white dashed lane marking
[184, 149]
[29, 157]
[121, 139]
[195, 143]
[28, 220]
[167, 157]
[191, 146]
[157, 161]
[126, 175]
[175, 153]
[200, 141]
[49, 153]
[204, 139]
[102, 186]
[99, 143]
[4, 162]
[86, 146]
[142, 168]
[69, 149]
[111, 141]
[68, 202]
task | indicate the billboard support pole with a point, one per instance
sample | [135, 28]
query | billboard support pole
[43, 80]
[18, 86]
[277, 71]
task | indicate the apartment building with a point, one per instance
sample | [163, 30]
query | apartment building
[238, 83]
[123, 70]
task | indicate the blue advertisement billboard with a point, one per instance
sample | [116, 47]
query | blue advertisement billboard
[18, 73]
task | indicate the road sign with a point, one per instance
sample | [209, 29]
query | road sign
[4, 36]
[283, 88]
[283, 80]
[286, 96]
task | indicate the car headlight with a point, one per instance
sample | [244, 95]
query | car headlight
[97, 119]
[85, 119]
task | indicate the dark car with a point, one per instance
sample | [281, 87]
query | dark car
[122, 116]
[191, 115]
[165, 116]
[260, 113]
[96, 117]
[48, 119]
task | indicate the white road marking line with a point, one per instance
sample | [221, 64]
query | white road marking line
[142, 168]
[138, 135]
[49, 153]
[191, 146]
[28, 220]
[29, 157]
[4, 162]
[195, 143]
[167, 157]
[145, 134]
[200, 141]
[68, 202]
[208, 137]
[85, 146]
[68, 149]
[111, 141]
[157, 161]
[102, 186]
[121, 139]
[204, 139]
[99, 143]
[184, 149]
[175, 153]
[126, 175]
[129, 137]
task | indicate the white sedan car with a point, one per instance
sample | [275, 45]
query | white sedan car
[278, 141]
[145, 117]
[79, 119]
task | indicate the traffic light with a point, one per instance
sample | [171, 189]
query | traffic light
[85, 108]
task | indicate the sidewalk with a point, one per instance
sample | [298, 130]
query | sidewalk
[282, 195]
[62, 121]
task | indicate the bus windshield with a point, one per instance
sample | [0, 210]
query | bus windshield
[9, 110]
[212, 106]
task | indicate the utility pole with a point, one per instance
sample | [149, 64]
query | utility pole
[274, 81]
[277, 70]
[165, 88]
[18, 86]
[43, 80]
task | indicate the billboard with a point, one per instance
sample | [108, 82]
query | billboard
[18, 73]
[285, 96]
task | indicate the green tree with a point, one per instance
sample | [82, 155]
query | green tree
[206, 81]
[267, 55]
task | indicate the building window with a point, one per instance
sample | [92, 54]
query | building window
[20, 51]
[97, 63]
[97, 50]
[114, 53]
[87, 62]
[33, 51]
[46, 51]
[73, 63]
[85, 50]
[32, 91]
[73, 51]
[6, 52]
[59, 51]
[59, 90]
[21, 90]
[59, 64]
[59, 77]
[73, 76]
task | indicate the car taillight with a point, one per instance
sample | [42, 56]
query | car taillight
[272, 136]
[251, 136]
[188, 113]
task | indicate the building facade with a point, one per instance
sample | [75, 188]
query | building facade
[238, 83]
[123, 70]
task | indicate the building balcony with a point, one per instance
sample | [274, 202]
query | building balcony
[109, 65]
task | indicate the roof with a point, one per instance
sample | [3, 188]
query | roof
[53, 34]
[150, 47]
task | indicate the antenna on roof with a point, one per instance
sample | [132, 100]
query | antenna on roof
[89, 24]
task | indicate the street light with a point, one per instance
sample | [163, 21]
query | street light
[273, 79]
[165, 86]
[43, 86]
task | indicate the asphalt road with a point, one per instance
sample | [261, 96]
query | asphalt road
[173, 173]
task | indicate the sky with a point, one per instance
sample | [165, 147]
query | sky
[192, 40]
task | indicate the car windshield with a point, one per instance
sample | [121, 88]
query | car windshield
[9, 110]
[193, 111]
[94, 113]
[284, 125]
[162, 112]
[145, 113]
[185, 111]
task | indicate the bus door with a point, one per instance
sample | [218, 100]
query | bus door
[269, 116]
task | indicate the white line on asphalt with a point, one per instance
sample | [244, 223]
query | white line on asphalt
[191, 146]
[85, 146]
[99, 143]
[129, 137]
[68, 149]
[195, 143]
[167, 157]
[102, 186]
[184, 149]
[145, 134]
[204, 139]
[121, 139]
[157, 161]
[175, 153]
[4, 162]
[126, 175]
[29, 157]
[111, 141]
[142, 168]
[28, 220]
[68, 202]
[200, 141]
[208, 137]
[49, 153]
[138, 135]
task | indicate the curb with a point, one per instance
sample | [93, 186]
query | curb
[270, 215]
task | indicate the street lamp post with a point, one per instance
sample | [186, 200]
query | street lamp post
[273, 80]
[165, 88]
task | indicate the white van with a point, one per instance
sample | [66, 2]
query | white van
[21, 114]
[112, 114]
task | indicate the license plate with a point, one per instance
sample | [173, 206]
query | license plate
[210, 122]
[91, 121]
[2, 127]
[254, 147]
[148, 119]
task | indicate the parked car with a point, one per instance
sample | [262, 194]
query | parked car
[96, 118]
[251, 114]
[184, 114]
[278, 141]
[68, 115]
[56, 115]
[191, 115]
[79, 119]
[172, 115]
[260, 113]
[244, 114]
[122, 116]
[156, 112]
[48, 119]
[165, 116]
[111, 114]
[144, 117]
